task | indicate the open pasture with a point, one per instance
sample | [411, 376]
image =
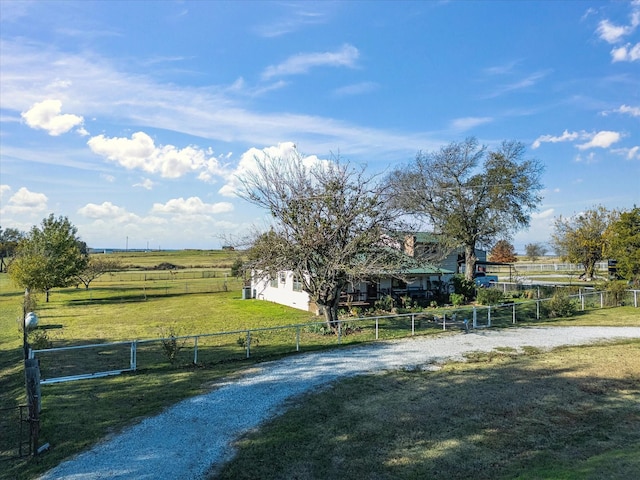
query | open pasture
[116, 308]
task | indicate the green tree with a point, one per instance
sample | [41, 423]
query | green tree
[533, 251]
[623, 239]
[49, 256]
[583, 237]
[503, 252]
[9, 239]
[469, 194]
[332, 225]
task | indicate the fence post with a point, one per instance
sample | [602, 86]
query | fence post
[582, 302]
[298, 338]
[489, 316]
[475, 318]
[444, 321]
[635, 298]
[340, 332]
[413, 324]
[601, 299]
[133, 361]
[514, 313]
[195, 350]
[248, 343]
[537, 309]
[377, 319]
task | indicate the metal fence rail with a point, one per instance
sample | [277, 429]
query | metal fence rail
[98, 360]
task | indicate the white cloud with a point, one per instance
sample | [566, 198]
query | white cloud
[613, 33]
[632, 153]
[625, 110]
[247, 165]
[588, 159]
[467, 123]
[46, 116]
[23, 201]
[548, 213]
[146, 183]
[626, 53]
[302, 63]
[191, 206]
[603, 139]
[107, 211]
[140, 152]
[565, 137]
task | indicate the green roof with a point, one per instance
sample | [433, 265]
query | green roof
[428, 270]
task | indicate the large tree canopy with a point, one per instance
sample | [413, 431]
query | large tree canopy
[623, 237]
[331, 226]
[583, 237]
[9, 239]
[49, 256]
[470, 194]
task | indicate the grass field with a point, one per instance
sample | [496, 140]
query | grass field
[573, 413]
[115, 308]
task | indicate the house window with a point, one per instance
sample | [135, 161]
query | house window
[283, 277]
[297, 284]
[273, 282]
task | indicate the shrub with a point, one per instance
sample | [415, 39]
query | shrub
[489, 296]
[171, 343]
[560, 305]
[385, 303]
[457, 299]
[616, 291]
[39, 340]
[462, 286]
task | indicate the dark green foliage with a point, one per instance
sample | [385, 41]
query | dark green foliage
[490, 296]
[463, 286]
[457, 299]
[560, 305]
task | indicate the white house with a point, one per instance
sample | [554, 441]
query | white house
[421, 283]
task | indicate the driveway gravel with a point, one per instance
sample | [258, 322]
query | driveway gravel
[188, 439]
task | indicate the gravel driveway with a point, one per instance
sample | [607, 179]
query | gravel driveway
[192, 436]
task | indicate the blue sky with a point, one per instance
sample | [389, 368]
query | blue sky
[134, 119]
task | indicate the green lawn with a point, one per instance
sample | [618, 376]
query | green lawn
[78, 414]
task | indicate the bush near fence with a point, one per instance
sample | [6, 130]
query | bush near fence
[86, 361]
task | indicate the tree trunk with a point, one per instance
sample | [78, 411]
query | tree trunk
[470, 260]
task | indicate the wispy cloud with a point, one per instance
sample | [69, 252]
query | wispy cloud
[467, 123]
[624, 110]
[293, 20]
[346, 56]
[356, 89]
[92, 87]
[525, 82]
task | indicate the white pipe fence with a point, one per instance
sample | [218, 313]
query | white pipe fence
[77, 362]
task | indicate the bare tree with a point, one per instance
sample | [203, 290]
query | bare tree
[96, 267]
[331, 226]
[470, 195]
[533, 251]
